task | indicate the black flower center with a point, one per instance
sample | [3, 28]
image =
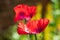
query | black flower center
[31, 15]
[22, 14]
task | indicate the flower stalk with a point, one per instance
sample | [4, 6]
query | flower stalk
[33, 36]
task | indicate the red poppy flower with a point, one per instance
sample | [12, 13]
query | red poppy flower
[33, 27]
[24, 12]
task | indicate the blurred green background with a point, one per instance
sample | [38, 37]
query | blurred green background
[8, 29]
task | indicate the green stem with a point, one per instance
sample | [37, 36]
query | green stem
[59, 3]
[33, 36]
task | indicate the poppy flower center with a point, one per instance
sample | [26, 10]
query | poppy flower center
[22, 14]
[31, 15]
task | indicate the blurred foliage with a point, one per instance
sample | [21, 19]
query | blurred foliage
[8, 30]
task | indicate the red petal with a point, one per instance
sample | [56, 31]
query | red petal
[32, 10]
[18, 9]
[32, 26]
[20, 31]
[37, 26]
[42, 24]
[22, 28]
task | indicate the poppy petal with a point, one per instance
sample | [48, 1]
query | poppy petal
[37, 26]
[32, 26]
[21, 12]
[32, 10]
[22, 28]
[42, 24]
